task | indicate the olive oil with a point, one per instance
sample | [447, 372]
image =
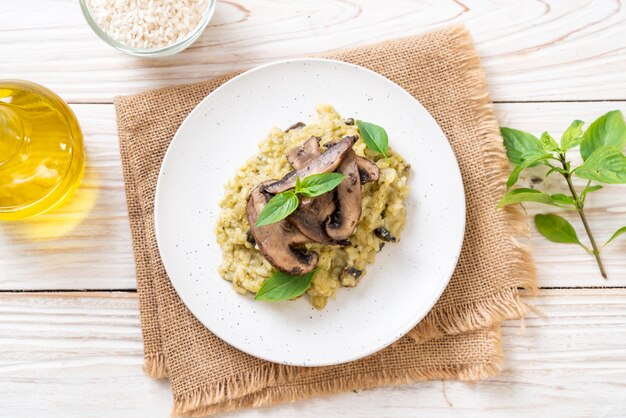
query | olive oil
[41, 150]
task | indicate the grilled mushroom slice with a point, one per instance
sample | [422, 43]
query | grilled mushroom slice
[325, 163]
[296, 125]
[311, 216]
[278, 242]
[342, 222]
[301, 155]
[384, 234]
[368, 171]
[312, 213]
[350, 276]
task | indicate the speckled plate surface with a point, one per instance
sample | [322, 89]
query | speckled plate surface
[401, 286]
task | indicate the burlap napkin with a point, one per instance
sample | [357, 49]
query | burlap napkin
[459, 339]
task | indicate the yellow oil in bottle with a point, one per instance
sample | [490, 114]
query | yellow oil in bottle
[41, 150]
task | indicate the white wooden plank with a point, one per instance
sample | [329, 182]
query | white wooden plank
[86, 244]
[539, 50]
[75, 354]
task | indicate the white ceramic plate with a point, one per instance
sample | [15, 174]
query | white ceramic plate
[400, 287]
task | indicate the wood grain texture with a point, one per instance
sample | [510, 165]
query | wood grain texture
[79, 355]
[532, 50]
[86, 244]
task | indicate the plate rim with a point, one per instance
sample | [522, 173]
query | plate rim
[448, 273]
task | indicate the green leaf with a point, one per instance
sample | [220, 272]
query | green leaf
[521, 146]
[615, 235]
[606, 165]
[563, 199]
[549, 144]
[283, 286]
[510, 182]
[525, 195]
[608, 129]
[278, 208]
[573, 135]
[556, 229]
[374, 137]
[318, 184]
[589, 189]
[557, 169]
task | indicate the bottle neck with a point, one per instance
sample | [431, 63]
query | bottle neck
[11, 133]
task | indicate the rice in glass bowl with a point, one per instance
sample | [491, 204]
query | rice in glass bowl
[148, 28]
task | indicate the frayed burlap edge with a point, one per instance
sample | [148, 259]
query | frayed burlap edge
[259, 388]
[154, 365]
[506, 304]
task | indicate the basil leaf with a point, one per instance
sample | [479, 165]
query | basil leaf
[556, 229]
[608, 129]
[283, 286]
[278, 208]
[318, 184]
[519, 168]
[510, 182]
[555, 169]
[521, 145]
[563, 199]
[525, 195]
[549, 144]
[589, 189]
[572, 135]
[615, 235]
[374, 137]
[606, 165]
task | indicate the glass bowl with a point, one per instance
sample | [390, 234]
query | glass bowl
[150, 52]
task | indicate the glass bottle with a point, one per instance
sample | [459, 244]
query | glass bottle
[41, 150]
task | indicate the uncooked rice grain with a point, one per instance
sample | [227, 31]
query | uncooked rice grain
[147, 24]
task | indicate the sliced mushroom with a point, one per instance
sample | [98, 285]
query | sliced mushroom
[278, 242]
[325, 163]
[296, 125]
[368, 171]
[342, 222]
[350, 276]
[311, 215]
[384, 234]
[301, 155]
[336, 141]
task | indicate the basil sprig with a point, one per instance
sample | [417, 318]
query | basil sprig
[601, 148]
[283, 286]
[374, 136]
[285, 203]
[318, 184]
[279, 207]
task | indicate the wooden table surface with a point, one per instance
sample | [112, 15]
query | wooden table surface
[70, 343]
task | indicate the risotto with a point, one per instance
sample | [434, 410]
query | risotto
[382, 219]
